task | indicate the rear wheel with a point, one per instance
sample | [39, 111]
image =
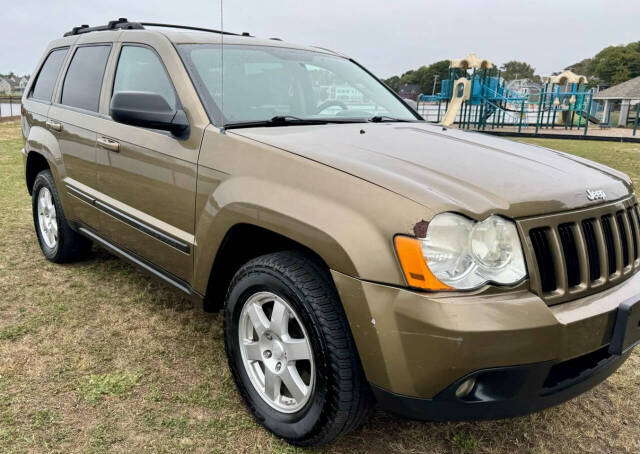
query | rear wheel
[58, 242]
[291, 352]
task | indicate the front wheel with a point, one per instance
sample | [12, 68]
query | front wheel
[291, 352]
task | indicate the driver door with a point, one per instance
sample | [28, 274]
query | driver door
[147, 178]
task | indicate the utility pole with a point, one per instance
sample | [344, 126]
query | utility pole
[435, 79]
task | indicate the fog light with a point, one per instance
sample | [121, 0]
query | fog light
[465, 388]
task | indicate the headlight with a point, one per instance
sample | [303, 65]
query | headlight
[458, 253]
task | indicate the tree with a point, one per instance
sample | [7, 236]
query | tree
[634, 46]
[517, 70]
[423, 76]
[435, 72]
[393, 83]
[617, 64]
[581, 68]
[412, 76]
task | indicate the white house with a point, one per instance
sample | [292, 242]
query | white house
[5, 86]
[21, 85]
[13, 84]
[627, 94]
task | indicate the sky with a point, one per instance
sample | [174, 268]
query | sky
[388, 37]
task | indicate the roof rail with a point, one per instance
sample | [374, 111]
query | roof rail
[123, 24]
[198, 29]
[120, 24]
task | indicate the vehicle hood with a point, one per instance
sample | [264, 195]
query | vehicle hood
[443, 170]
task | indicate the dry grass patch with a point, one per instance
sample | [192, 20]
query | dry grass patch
[95, 357]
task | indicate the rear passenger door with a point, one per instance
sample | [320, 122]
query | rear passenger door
[72, 118]
[38, 101]
[147, 178]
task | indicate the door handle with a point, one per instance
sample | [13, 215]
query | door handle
[54, 125]
[108, 144]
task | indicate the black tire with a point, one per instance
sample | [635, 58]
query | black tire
[70, 245]
[341, 399]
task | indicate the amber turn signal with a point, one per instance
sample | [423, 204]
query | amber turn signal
[414, 265]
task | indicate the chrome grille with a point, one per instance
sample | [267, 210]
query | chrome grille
[577, 253]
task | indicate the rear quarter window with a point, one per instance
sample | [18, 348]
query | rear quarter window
[46, 79]
[83, 81]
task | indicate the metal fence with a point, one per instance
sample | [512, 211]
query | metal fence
[10, 106]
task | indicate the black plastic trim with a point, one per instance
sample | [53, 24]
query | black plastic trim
[625, 324]
[500, 392]
[198, 29]
[119, 24]
[142, 263]
[173, 242]
[145, 228]
[80, 195]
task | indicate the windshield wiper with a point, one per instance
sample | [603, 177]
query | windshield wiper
[293, 119]
[287, 120]
[381, 118]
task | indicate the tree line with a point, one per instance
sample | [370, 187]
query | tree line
[611, 66]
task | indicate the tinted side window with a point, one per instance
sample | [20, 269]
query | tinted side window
[83, 81]
[140, 69]
[46, 80]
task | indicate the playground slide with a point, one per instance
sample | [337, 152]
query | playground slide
[592, 118]
[461, 93]
[452, 112]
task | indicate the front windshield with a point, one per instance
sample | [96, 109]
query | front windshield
[262, 82]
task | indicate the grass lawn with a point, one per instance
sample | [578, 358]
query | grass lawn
[96, 357]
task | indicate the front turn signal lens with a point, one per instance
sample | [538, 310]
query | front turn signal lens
[414, 265]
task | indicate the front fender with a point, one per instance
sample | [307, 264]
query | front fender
[340, 235]
[349, 222]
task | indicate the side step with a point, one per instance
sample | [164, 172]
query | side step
[145, 265]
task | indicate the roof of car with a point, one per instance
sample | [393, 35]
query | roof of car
[196, 37]
[181, 34]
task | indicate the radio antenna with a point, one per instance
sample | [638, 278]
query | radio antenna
[222, 66]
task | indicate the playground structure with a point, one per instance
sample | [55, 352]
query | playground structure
[475, 96]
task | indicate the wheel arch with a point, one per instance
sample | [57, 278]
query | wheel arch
[42, 148]
[36, 163]
[242, 242]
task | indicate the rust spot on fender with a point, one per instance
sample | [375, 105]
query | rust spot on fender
[420, 229]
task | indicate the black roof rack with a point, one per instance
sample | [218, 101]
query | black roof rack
[123, 24]
[120, 24]
[197, 29]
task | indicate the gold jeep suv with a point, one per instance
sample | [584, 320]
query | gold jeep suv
[360, 254]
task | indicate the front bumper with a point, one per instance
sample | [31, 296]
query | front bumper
[508, 391]
[416, 348]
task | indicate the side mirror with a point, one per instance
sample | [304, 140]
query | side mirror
[148, 110]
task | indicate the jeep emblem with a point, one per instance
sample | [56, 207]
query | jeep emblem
[597, 194]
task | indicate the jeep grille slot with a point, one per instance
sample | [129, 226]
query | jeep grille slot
[609, 243]
[624, 239]
[592, 248]
[545, 260]
[570, 254]
[634, 233]
[581, 252]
